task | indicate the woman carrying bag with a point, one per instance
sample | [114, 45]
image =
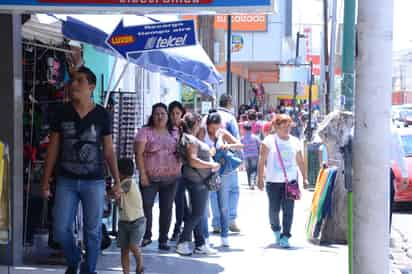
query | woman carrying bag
[198, 166]
[280, 161]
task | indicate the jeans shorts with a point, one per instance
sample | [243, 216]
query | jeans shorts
[131, 233]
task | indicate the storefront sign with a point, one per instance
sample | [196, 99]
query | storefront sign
[294, 73]
[243, 22]
[158, 36]
[264, 76]
[237, 43]
[130, 6]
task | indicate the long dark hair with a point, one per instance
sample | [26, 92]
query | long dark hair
[176, 104]
[213, 117]
[150, 121]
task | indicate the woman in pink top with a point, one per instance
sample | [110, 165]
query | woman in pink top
[159, 169]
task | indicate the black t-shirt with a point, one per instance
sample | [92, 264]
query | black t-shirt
[81, 142]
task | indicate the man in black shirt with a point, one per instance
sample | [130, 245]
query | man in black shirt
[80, 144]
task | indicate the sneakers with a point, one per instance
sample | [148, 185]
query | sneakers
[216, 230]
[184, 249]
[234, 228]
[277, 237]
[225, 242]
[205, 250]
[284, 242]
[164, 247]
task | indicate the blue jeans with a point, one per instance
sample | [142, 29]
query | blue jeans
[251, 170]
[198, 193]
[69, 193]
[277, 201]
[230, 195]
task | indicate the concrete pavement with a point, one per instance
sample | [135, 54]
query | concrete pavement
[251, 251]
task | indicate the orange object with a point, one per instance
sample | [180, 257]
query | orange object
[243, 22]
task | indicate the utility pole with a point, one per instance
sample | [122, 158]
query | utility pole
[332, 90]
[372, 137]
[348, 71]
[326, 54]
[348, 53]
[295, 84]
[229, 56]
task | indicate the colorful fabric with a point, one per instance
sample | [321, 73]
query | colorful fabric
[321, 207]
[160, 154]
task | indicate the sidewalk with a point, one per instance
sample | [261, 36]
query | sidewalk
[252, 251]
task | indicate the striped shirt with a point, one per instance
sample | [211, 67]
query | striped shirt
[251, 145]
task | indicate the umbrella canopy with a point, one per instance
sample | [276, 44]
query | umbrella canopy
[190, 65]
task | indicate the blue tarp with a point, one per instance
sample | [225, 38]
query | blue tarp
[189, 65]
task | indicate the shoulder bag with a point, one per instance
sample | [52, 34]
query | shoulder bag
[292, 190]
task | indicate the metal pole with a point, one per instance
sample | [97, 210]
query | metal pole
[348, 70]
[326, 53]
[372, 134]
[332, 90]
[295, 84]
[309, 137]
[322, 90]
[229, 56]
[348, 53]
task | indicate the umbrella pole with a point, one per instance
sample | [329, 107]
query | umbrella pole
[106, 99]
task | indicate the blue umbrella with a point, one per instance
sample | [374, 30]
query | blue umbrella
[190, 65]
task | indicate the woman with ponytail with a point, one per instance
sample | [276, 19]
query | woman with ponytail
[197, 166]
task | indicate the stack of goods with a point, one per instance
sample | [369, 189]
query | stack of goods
[125, 109]
[321, 207]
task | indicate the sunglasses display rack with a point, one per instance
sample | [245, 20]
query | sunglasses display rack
[126, 119]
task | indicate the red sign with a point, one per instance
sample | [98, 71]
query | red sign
[130, 2]
[264, 76]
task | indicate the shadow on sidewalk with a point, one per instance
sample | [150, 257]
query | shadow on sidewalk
[164, 264]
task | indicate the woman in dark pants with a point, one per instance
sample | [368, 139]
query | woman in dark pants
[176, 112]
[197, 166]
[284, 144]
[159, 169]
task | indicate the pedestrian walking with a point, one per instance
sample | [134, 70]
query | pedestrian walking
[132, 223]
[218, 138]
[251, 144]
[176, 113]
[229, 123]
[159, 169]
[279, 162]
[80, 146]
[198, 166]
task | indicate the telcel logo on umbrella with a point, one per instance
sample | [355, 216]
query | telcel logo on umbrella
[122, 40]
[134, 39]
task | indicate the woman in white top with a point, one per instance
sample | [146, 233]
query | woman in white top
[270, 170]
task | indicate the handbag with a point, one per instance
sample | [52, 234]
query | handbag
[212, 182]
[292, 190]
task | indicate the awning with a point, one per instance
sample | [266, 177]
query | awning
[189, 65]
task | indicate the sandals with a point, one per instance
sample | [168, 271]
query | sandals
[140, 271]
